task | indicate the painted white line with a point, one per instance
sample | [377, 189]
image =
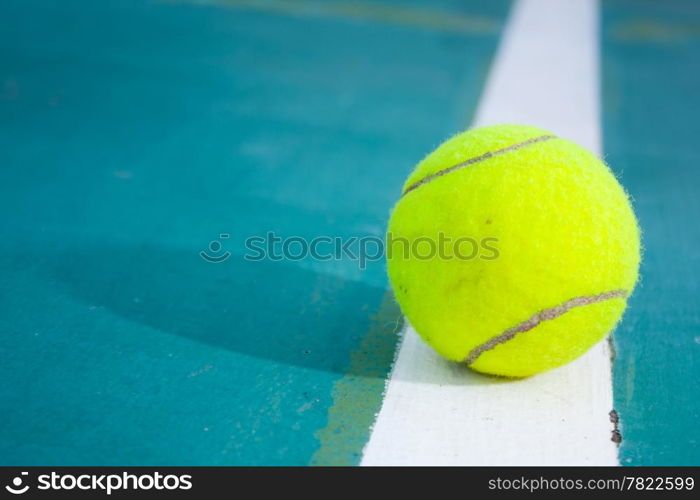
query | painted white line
[546, 73]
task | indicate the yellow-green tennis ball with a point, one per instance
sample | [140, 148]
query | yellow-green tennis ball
[535, 249]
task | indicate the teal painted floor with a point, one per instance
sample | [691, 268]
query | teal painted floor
[132, 134]
[651, 77]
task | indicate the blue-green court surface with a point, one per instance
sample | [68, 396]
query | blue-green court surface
[651, 77]
[133, 134]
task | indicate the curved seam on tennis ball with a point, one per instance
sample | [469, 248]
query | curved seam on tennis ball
[545, 315]
[476, 159]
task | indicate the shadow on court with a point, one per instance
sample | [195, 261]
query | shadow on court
[269, 310]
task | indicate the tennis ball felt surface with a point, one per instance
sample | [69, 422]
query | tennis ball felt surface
[566, 257]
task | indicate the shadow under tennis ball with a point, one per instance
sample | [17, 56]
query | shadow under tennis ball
[270, 310]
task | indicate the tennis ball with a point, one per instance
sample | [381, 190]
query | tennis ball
[512, 250]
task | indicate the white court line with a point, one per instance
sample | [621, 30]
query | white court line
[546, 73]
